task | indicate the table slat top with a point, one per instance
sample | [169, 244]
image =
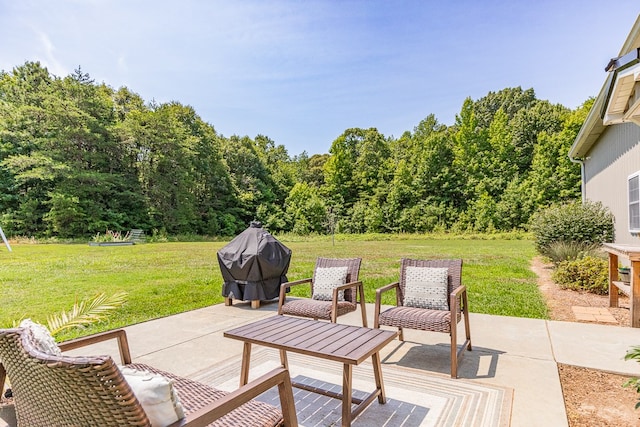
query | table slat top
[630, 251]
[333, 341]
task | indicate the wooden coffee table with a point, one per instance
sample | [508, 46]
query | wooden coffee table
[349, 345]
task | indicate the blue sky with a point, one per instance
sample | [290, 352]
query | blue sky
[302, 72]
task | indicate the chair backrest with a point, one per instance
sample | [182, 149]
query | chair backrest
[353, 270]
[454, 267]
[62, 390]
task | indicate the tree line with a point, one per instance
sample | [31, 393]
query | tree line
[79, 157]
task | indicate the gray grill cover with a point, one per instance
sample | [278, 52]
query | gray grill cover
[253, 265]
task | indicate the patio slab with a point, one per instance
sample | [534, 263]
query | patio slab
[594, 346]
[515, 353]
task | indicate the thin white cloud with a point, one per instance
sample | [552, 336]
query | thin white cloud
[50, 61]
[122, 64]
[302, 72]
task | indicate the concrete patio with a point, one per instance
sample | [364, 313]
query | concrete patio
[514, 354]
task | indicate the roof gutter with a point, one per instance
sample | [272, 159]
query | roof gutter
[583, 186]
[592, 125]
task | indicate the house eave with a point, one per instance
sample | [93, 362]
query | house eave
[594, 125]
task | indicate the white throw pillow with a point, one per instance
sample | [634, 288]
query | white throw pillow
[42, 338]
[326, 279]
[426, 287]
[156, 395]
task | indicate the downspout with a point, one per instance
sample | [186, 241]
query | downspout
[582, 183]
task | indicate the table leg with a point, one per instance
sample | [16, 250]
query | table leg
[283, 359]
[377, 373]
[613, 276]
[634, 298]
[246, 358]
[347, 391]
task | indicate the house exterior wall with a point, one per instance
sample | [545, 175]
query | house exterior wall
[606, 170]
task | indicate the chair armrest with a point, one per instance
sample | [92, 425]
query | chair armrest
[347, 286]
[460, 291]
[295, 283]
[283, 291]
[119, 334]
[277, 377]
[334, 298]
[359, 288]
[378, 303]
[386, 288]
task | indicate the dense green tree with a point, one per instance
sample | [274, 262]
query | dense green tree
[553, 177]
[78, 157]
[372, 169]
[501, 166]
[471, 155]
[423, 182]
[527, 124]
[509, 100]
[250, 178]
[305, 210]
[340, 188]
[62, 155]
[310, 169]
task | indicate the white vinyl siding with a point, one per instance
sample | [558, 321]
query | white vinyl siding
[634, 202]
[608, 166]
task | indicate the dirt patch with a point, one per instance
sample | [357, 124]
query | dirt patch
[592, 398]
[560, 300]
[595, 398]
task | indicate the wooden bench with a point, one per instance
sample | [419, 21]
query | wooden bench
[631, 289]
[137, 236]
[624, 287]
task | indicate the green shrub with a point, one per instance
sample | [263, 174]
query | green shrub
[589, 223]
[633, 354]
[590, 274]
[569, 251]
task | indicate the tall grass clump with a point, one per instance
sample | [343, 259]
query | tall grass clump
[558, 252]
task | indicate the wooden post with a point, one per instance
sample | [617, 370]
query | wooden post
[613, 276]
[631, 253]
[4, 239]
[634, 298]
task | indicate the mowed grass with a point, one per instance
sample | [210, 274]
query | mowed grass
[167, 278]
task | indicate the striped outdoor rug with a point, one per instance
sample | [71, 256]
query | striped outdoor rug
[413, 397]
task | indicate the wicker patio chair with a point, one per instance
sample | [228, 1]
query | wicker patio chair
[91, 391]
[429, 319]
[327, 310]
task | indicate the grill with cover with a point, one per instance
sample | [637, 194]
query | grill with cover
[253, 266]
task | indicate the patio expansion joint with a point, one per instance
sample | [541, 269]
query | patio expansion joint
[176, 344]
[553, 351]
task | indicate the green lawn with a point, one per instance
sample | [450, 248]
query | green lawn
[167, 278]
